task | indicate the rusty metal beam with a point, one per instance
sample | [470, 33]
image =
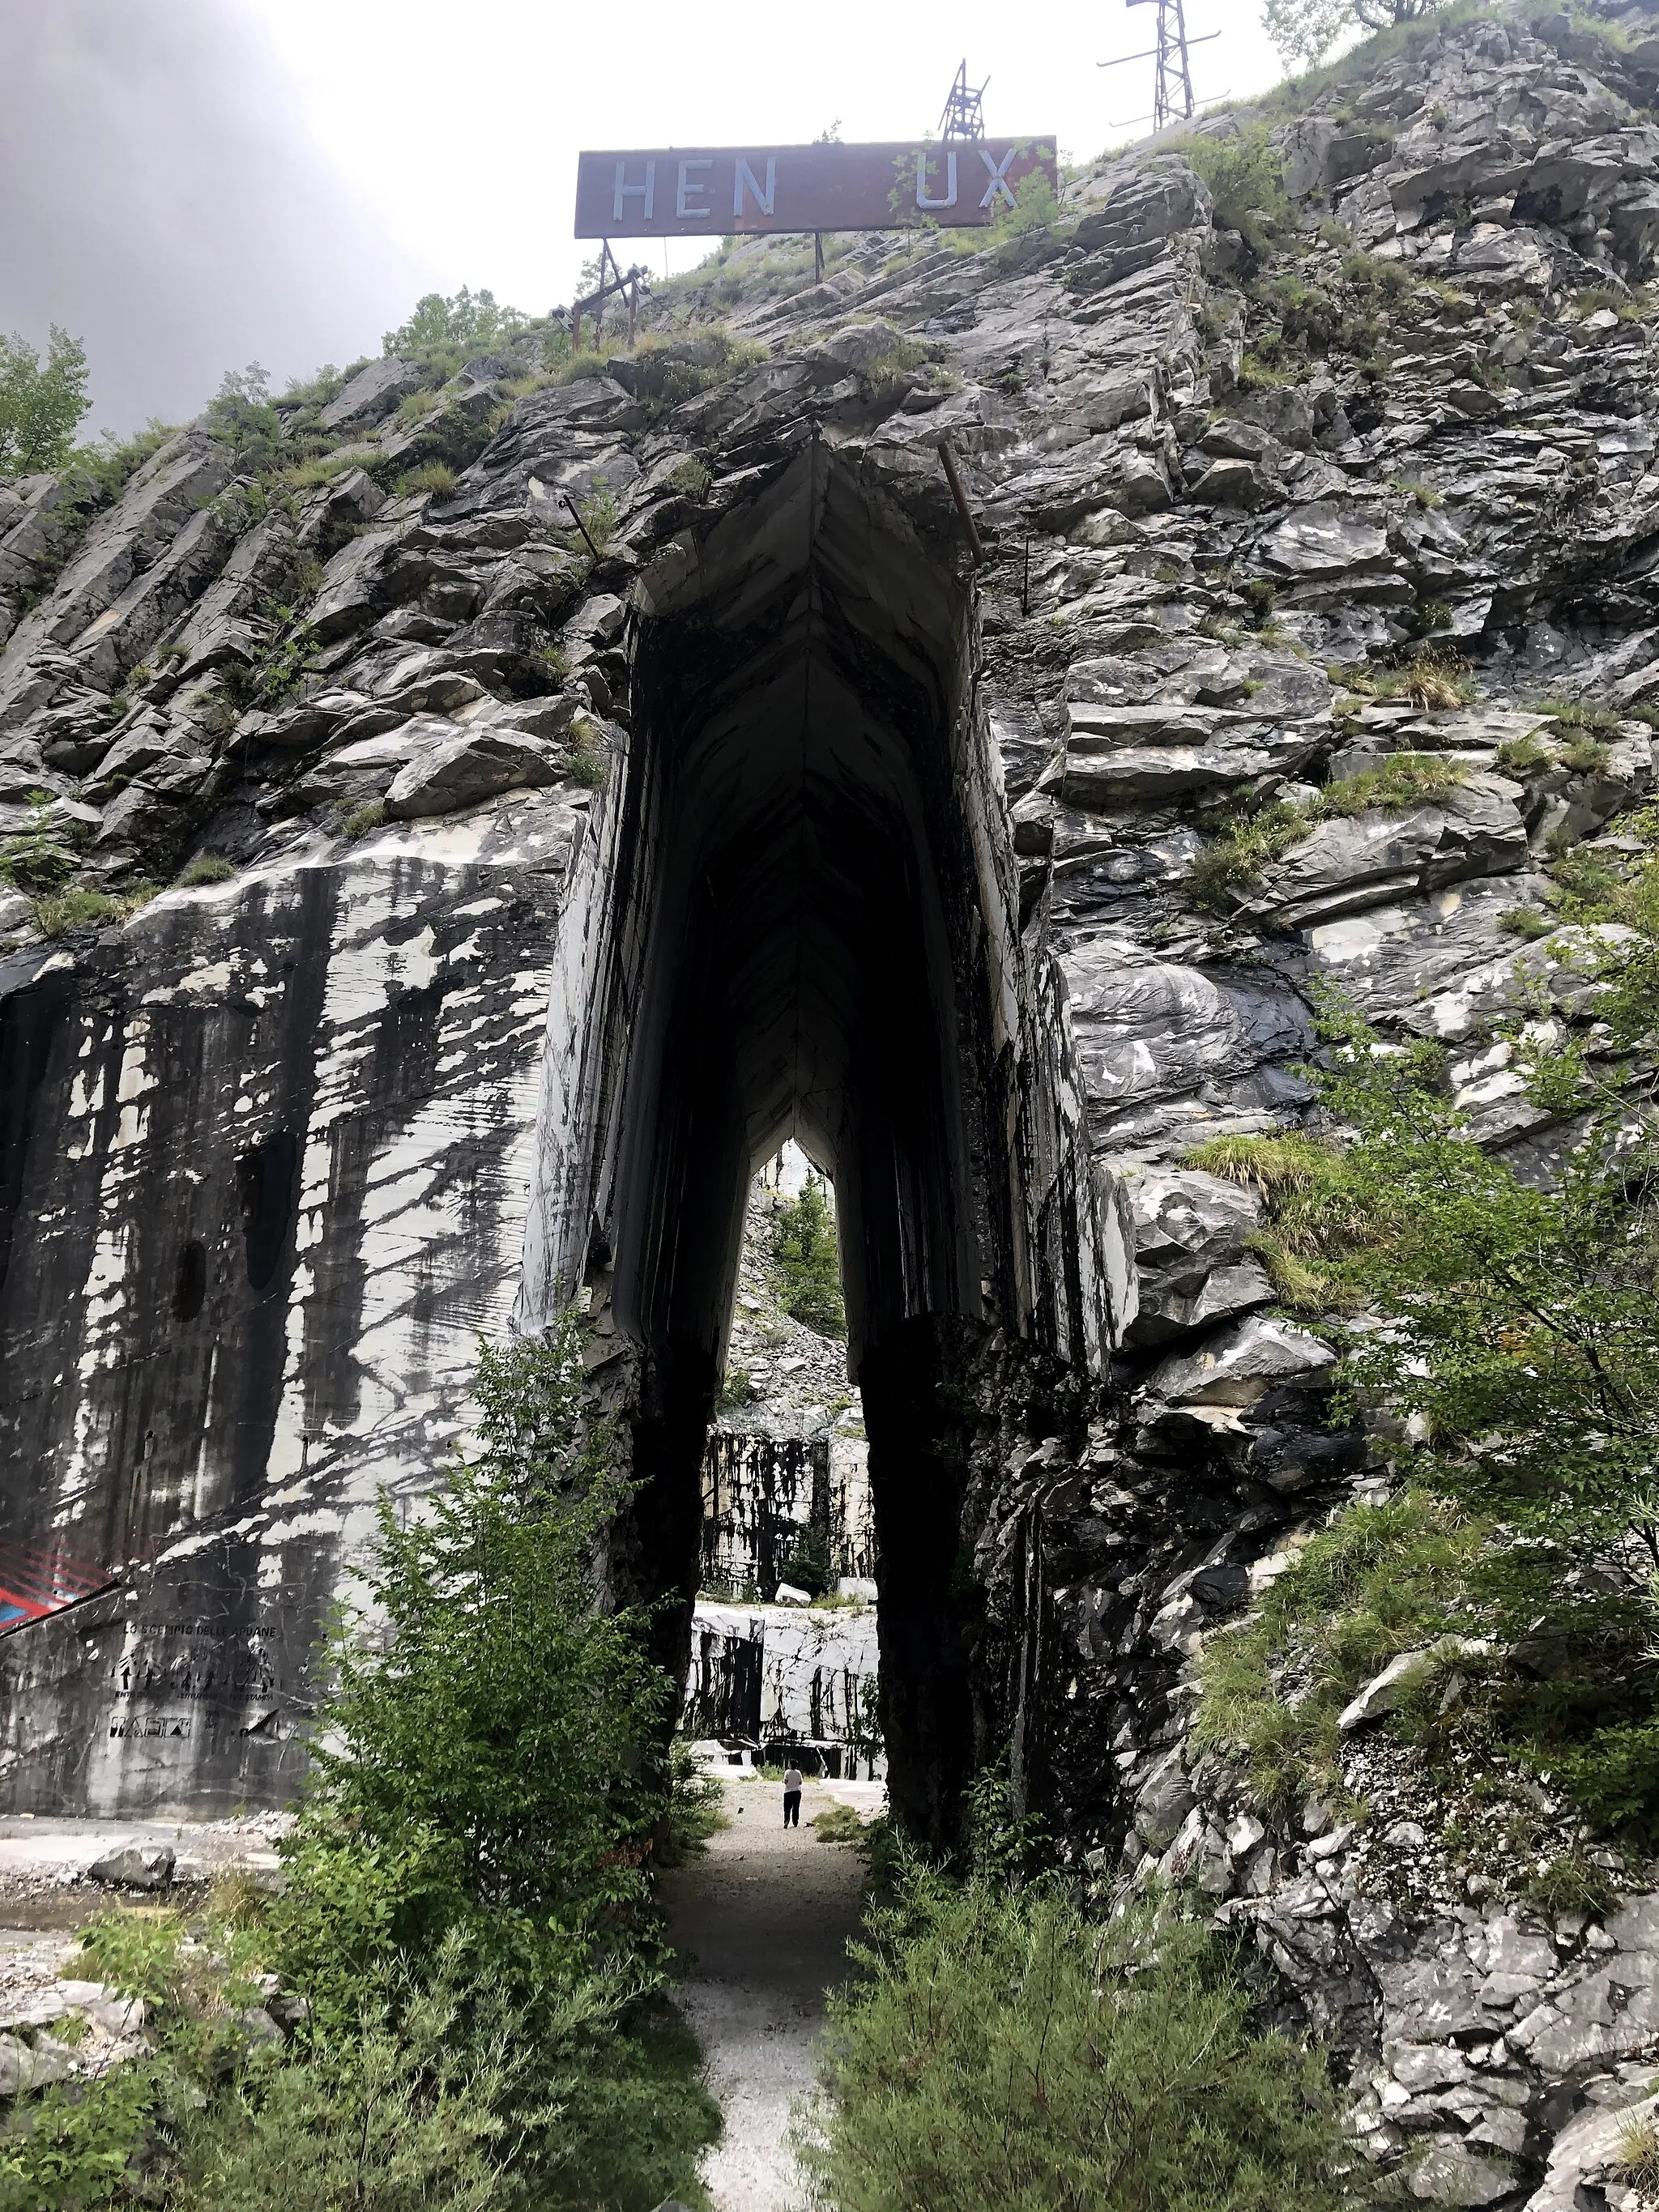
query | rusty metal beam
[959, 493]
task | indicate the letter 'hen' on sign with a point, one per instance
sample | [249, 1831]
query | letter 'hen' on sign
[708, 192]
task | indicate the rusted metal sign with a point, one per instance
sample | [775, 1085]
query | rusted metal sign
[680, 191]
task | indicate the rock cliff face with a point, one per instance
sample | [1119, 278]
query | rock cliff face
[779, 815]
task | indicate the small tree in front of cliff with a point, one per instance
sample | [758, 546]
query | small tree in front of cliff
[484, 1759]
[472, 1846]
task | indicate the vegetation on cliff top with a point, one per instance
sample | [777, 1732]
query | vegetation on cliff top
[41, 403]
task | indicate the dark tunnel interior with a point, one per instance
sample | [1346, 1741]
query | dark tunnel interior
[798, 849]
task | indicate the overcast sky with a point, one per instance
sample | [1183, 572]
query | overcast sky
[190, 184]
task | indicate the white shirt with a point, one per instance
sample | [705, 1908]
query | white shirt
[792, 1778]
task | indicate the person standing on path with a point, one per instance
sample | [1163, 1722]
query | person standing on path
[792, 1780]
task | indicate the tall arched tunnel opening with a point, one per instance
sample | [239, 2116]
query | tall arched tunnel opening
[808, 931]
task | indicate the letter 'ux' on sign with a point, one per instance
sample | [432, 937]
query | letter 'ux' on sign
[689, 192]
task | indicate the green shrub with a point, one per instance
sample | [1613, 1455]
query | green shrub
[1519, 1361]
[1246, 179]
[75, 909]
[1431, 679]
[285, 657]
[442, 334]
[207, 868]
[1527, 922]
[1408, 487]
[1638, 2153]
[738, 1390]
[242, 419]
[415, 406]
[586, 760]
[1380, 1580]
[1578, 715]
[41, 856]
[72, 2147]
[578, 368]
[691, 477]
[1234, 860]
[695, 1807]
[1002, 2049]
[668, 372]
[1520, 756]
[1585, 756]
[488, 1771]
[805, 1262]
[838, 1824]
[305, 475]
[1366, 272]
[391, 2119]
[598, 517]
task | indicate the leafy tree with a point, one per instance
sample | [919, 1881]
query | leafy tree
[1305, 31]
[488, 1766]
[41, 404]
[467, 323]
[805, 1262]
[485, 1762]
[241, 417]
[1003, 2048]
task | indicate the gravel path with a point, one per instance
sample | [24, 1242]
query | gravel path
[766, 1913]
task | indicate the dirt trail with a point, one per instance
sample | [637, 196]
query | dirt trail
[767, 1914]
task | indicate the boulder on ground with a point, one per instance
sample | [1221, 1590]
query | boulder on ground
[140, 1866]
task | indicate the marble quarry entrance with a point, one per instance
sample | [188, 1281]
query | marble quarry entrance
[807, 937]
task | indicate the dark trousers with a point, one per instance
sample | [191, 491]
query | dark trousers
[792, 1808]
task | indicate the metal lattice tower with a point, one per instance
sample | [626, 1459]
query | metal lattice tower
[1172, 87]
[1172, 93]
[964, 112]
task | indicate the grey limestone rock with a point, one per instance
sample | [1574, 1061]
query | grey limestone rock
[26, 2066]
[1350, 862]
[1587, 2154]
[372, 394]
[1191, 1230]
[470, 766]
[1237, 1365]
